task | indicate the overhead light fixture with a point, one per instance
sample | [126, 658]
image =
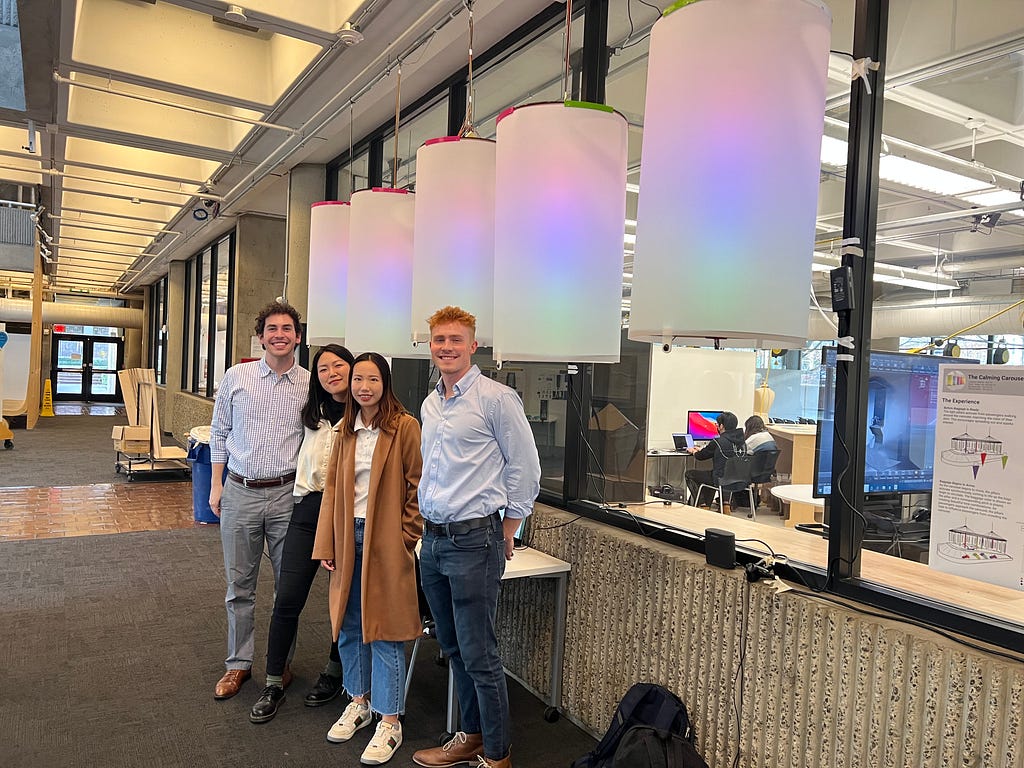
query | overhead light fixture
[328, 272]
[952, 349]
[349, 35]
[236, 13]
[908, 277]
[1001, 355]
[761, 125]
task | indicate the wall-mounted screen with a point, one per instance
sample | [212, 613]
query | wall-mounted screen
[702, 425]
[902, 397]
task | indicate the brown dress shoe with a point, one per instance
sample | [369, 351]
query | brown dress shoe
[228, 685]
[461, 749]
[506, 762]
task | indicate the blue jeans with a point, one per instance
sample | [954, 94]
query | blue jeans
[460, 576]
[376, 668]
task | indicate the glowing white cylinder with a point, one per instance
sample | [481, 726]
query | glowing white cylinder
[729, 175]
[378, 313]
[328, 272]
[453, 261]
[560, 208]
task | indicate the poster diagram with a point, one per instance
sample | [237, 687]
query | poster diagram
[966, 450]
[964, 545]
[977, 522]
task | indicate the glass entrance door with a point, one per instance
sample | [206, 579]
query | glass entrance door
[85, 368]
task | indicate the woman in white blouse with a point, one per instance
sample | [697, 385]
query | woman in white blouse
[321, 417]
[369, 525]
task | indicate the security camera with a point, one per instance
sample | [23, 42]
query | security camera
[208, 202]
[666, 347]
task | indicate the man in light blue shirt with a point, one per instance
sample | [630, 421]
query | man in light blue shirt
[479, 457]
[255, 435]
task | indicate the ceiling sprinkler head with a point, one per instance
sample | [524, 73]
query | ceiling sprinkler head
[235, 13]
[349, 35]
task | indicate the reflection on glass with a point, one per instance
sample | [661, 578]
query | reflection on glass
[104, 383]
[70, 354]
[204, 323]
[221, 318]
[69, 383]
[104, 356]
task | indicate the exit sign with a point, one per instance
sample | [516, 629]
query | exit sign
[58, 329]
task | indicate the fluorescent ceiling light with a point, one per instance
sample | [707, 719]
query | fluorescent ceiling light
[908, 277]
[997, 197]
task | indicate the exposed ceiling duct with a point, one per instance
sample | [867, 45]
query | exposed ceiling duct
[938, 317]
[20, 311]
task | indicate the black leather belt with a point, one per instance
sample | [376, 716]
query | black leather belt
[272, 482]
[459, 527]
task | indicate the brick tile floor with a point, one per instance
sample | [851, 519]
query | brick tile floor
[41, 513]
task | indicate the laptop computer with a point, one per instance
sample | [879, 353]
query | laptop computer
[682, 442]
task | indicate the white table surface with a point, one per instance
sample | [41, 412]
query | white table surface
[531, 562]
[797, 493]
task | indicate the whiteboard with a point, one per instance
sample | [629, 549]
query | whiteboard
[696, 379]
[14, 361]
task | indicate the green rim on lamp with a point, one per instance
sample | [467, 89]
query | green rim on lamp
[676, 6]
[588, 105]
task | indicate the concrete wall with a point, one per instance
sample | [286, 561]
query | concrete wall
[259, 274]
[306, 185]
[184, 412]
[818, 685]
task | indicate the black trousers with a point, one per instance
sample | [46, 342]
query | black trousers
[298, 570]
[694, 479]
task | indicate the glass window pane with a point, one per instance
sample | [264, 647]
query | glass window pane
[69, 383]
[429, 124]
[104, 356]
[221, 318]
[70, 354]
[203, 347]
[104, 383]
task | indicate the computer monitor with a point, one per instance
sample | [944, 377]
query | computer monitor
[902, 403]
[702, 425]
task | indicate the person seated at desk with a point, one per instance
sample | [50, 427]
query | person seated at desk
[757, 437]
[727, 444]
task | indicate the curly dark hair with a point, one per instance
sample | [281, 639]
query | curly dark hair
[278, 308]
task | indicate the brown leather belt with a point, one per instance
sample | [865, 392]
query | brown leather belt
[273, 482]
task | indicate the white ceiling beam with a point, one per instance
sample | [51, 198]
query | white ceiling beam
[112, 136]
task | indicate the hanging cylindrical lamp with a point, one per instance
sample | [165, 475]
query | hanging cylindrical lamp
[328, 272]
[378, 309]
[560, 208]
[729, 175]
[453, 259]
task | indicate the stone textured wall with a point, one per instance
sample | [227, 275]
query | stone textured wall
[818, 685]
[188, 411]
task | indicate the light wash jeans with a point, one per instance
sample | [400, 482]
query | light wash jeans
[376, 668]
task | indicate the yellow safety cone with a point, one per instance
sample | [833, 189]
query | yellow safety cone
[47, 409]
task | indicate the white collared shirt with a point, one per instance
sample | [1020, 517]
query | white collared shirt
[366, 443]
[314, 456]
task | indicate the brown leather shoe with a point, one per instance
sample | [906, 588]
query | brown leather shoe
[287, 677]
[461, 749]
[506, 762]
[228, 685]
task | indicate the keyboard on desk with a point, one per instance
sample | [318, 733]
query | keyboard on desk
[698, 444]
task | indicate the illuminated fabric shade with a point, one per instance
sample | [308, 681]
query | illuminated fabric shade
[729, 174]
[453, 260]
[378, 311]
[560, 207]
[328, 273]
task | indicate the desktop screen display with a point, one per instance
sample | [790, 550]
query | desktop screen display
[902, 398]
[702, 425]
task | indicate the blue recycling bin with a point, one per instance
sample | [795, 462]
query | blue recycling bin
[202, 474]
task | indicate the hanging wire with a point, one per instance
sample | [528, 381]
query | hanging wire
[468, 129]
[398, 112]
[568, 43]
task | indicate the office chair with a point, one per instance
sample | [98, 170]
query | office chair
[736, 477]
[884, 530]
[763, 471]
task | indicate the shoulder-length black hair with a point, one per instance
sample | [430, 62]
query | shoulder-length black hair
[390, 408]
[316, 404]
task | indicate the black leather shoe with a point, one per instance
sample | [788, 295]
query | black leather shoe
[326, 689]
[266, 705]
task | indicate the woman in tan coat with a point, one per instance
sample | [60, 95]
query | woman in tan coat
[368, 528]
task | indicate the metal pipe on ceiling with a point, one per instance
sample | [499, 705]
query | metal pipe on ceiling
[104, 226]
[20, 311]
[148, 188]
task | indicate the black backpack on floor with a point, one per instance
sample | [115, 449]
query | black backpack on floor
[650, 720]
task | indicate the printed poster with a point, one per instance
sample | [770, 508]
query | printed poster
[977, 527]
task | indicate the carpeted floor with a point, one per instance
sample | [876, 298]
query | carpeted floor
[65, 450]
[111, 645]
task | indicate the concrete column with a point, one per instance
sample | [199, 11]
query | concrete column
[175, 337]
[260, 243]
[306, 185]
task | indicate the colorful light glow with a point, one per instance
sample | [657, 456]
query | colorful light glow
[379, 309]
[729, 174]
[560, 204]
[453, 253]
[328, 272]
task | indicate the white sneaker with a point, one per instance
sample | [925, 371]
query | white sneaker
[354, 717]
[386, 740]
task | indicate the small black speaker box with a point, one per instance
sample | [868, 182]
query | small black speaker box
[720, 548]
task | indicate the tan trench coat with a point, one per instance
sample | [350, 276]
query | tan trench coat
[390, 608]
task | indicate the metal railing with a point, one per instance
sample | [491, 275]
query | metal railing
[16, 228]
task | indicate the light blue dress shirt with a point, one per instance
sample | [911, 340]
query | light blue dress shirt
[257, 419]
[479, 454]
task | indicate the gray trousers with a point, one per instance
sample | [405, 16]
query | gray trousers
[249, 517]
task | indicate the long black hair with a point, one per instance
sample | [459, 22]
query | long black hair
[390, 408]
[316, 404]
